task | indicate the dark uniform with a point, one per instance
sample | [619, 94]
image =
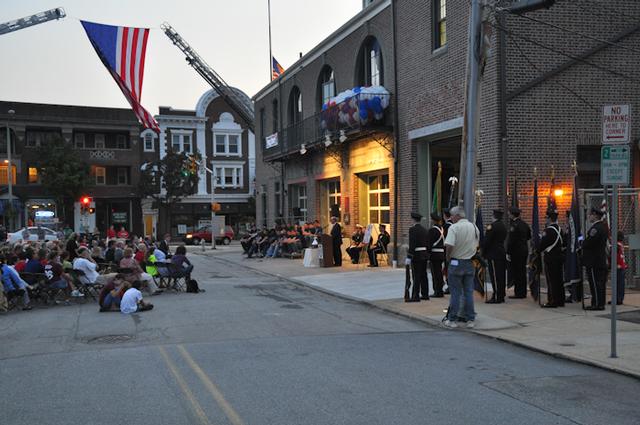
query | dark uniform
[355, 248]
[445, 226]
[493, 251]
[594, 257]
[435, 247]
[518, 250]
[419, 259]
[336, 238]
[379, 246]
[552, 247]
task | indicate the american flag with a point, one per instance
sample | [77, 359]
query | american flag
[276, 69]
[122, 51]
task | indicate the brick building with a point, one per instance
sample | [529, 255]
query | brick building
[542, 94]
[108, 139]
[228, 147]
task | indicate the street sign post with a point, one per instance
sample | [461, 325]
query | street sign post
[615, 164]
[616, 124]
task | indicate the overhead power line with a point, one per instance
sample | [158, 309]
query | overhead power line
[568, 55]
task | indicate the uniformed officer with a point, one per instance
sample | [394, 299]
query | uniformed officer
[552, 249]
[518, 251]
[493, 251]
[435, 247]
[419, 259]
[594, 257]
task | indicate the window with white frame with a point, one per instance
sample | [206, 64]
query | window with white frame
[101, 176]
[123, 176]
[227, 144]
[333, 192]
[99, 141]
[79, 140]
[181, 142]
[379, 206]
[229, 175]
[148, 143]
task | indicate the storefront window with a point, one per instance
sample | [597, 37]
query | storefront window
[333, 189]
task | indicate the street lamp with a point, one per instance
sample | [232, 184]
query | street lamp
[11, 112]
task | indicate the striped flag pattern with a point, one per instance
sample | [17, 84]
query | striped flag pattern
[122, 50]
[276, 69]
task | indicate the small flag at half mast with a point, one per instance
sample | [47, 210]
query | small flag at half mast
[276, 69]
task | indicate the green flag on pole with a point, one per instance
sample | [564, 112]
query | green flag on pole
[436, 205]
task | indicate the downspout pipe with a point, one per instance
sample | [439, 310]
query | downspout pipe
[396, 134]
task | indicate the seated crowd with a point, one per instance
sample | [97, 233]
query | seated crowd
[117, 269]
[290, 241]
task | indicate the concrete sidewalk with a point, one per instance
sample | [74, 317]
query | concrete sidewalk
[568, 332]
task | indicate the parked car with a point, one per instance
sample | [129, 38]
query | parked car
[32, 234]
[204, 234]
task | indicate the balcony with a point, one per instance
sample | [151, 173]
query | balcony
[356, 118]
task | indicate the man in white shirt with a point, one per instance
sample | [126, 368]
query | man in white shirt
[461, 245]
[132, 301]
[89, 267]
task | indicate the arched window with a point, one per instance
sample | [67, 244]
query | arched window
[295, 106]
[326, 85]
[369, 65]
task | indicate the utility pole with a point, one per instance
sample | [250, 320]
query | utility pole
[472, 113]
[11, 112]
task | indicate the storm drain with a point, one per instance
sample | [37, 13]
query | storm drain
[110, 339]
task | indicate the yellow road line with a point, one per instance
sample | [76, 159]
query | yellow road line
[212, 388]
[185, 388]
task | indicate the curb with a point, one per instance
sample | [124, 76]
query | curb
[437, 324]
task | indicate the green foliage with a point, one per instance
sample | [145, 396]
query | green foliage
[175, 172]
[63, 173]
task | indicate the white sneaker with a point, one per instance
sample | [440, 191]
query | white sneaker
[471, 324]
[450, 324]
[77, 294]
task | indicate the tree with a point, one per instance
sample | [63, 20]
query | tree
[63, 173]
[169, 180]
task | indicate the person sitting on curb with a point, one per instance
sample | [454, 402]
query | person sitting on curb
[13, 285]
[112, 292]
[132, 301]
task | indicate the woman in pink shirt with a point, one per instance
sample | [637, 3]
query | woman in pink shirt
[128, 262]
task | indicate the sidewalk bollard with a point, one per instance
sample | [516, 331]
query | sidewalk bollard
[202, 244]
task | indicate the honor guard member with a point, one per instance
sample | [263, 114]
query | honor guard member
[336, 238]
[419, 259]
[380, 246]
[518, 251]
[435, 247]
[594, 257]
[552, 249]
[493, 251]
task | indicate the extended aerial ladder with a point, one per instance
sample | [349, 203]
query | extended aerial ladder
[240, 104]
[29, 21]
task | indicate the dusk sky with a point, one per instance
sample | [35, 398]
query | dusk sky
[55, 63]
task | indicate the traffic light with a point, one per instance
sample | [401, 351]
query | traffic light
[193, 165]
[85, 205]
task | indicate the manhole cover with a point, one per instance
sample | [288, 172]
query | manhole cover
[110, 339]
[628, 316]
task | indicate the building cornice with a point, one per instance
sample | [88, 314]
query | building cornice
[337, 36]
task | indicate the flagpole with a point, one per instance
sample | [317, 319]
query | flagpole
[270, 52]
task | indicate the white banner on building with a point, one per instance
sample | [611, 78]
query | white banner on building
[271, 141]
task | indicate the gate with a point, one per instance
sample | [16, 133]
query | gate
[628, 222]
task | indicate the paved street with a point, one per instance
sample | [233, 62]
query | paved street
[254, 349]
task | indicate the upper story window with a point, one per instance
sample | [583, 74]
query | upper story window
[295, 106]
[439, 23]
[181, 141]
[227, 136]
[326, 85]
[121, 141]
[38, 138]
[79, 140]
[101, 175]
[99, 141]
[275, 114]
[370, 64]
[229, 175]
[148, 140]
[263, 124]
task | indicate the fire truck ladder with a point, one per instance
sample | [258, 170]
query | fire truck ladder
[29, 21]
[239, 103]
